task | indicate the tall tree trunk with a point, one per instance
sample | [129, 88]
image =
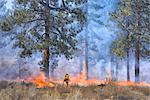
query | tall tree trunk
[86, 56]
[117, 68]
[128, 65]
[85, 70]
[46, 62]
[46, 49]
[112, 67]
[137, 62]
[137, 44]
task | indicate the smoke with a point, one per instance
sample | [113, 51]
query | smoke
[10, 69]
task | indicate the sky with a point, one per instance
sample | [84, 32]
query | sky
[73, 66]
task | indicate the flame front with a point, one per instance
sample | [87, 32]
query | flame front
[81, 80]
[41, 82]
[130, 83]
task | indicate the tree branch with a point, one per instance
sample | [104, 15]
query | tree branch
[63, 2]
[123, 25]
[53, 8]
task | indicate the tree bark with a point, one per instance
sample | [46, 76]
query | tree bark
[137, 44]
[112, 67]
[117, 67]
[86, 57]
[137, 62]
[86, 48]
[85, 69]
[46, 62]
[46, 49]
[128, 66]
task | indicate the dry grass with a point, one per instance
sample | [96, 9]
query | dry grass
[28, 91]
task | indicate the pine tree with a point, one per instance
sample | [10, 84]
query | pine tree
[132, 19]
[45, 26]
[89, 44]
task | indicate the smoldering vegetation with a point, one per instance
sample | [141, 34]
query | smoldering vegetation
[28, 91]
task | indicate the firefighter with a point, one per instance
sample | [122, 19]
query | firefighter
[67, 79]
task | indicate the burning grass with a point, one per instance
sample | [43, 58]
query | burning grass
[40, 81]
[41, 88]
[29, 91]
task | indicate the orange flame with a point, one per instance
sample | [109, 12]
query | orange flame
[130, 83]
[81, 80]
[40, 81]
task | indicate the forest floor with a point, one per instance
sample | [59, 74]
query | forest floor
[28, 91]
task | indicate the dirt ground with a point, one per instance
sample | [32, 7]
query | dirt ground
[28, 91]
